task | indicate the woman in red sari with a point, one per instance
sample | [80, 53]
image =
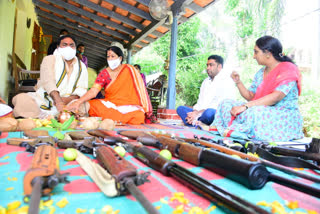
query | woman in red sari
[126, 99]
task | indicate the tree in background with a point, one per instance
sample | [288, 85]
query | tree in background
[253, 19]
[195, 44]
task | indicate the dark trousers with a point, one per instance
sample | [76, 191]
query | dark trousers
[207, 116]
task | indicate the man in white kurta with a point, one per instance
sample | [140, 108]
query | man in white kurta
[63, 78]
[215, 88]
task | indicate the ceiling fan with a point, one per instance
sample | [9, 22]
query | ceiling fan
[160, 9]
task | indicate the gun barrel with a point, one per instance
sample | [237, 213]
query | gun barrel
[193, 181]
[251, 174]
[213, 192]
[133, 189]
[35, 195]
[295, 185]
[255, 159]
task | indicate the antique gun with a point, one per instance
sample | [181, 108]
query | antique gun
[311, 153]
[264, 150]
[126, 177]
[198, 184]
[125, 174]
[146, 137]
[254, 175]
[268, 159]
[42, 176]
[31, 143]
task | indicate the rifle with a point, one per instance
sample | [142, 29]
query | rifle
[145, 137]
[193, 181]
[253, 175]
[264, 152]
[42, 177]
[126, 177]
[31, 143]
[125, 174]
[293, 152]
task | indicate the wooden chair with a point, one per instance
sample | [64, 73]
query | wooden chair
[156, 90]
[25, 80]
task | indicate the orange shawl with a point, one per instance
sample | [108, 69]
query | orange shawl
[115, 92]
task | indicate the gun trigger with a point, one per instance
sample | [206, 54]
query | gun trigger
[142, 178]
[31, 149]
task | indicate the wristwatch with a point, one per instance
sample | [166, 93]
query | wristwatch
[245, 105]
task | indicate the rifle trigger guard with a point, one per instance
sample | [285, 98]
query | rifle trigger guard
[142, 178]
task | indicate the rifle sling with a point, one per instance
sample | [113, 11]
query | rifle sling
[100, 176]
[285, 160]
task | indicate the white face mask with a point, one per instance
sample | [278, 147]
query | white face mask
[113, 64]
[68, 53]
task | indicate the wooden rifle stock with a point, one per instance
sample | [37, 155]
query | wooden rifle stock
[44, 164]
[268, 163]
[244, 156]
[190, 179]
[107, 136]
[147, 139]
[118, 167]
[125, 174]
[84, 145]
[193, 181]
[42, 176]
[253, 175]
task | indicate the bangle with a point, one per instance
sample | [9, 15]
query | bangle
[245, 105]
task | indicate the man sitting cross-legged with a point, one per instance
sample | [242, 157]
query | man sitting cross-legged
[63, 79]
[215, 88]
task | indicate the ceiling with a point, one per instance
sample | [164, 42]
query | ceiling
[98, 23]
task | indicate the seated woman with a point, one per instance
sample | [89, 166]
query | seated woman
[126, 99]
[271, 113]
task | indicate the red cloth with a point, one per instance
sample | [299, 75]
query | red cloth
[283, 73]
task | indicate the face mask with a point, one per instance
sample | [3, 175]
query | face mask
[68, 53]
[80, 52]
[114, 63]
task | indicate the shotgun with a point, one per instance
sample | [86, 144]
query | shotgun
[145, 137]
[193, 181]
[42, 176]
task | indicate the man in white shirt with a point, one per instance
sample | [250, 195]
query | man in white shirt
[215, 88]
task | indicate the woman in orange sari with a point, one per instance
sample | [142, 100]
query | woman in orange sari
[126, 100]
